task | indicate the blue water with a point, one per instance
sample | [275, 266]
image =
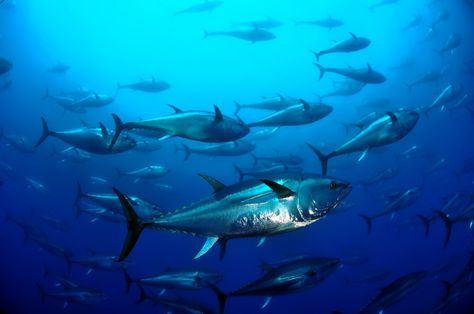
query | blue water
[110, 42]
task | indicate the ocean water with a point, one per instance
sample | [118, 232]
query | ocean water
[106, 43]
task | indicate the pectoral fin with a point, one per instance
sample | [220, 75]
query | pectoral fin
[267, 301]
[363, 155]
[207, 246]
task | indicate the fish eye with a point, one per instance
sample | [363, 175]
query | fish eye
[333, 185]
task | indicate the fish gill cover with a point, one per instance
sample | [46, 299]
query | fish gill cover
[236, 156]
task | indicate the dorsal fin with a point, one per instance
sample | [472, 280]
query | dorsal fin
[306, 105]
[103, 129]
[369, 67]
[393, 117]
[281, 190]
[218, 116]
[176, 109]
[353, 35]
[153, 80]
[216, 184]
[282, 98]
[84, 123]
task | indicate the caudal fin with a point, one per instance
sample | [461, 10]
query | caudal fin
[240, 172]
[45, 132]
[143, 295]
[237, 107]
[448, 224]
[323, 159]
[42, 293]
[368, 221]
[128, 280]
[221, 296]
[77, 200]
[322, 69]
[187, 151]
[118, 130]
[134, 226]
[426, 223]
[317, 55]
[46, 94]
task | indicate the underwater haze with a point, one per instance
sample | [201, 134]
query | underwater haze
[237, 156]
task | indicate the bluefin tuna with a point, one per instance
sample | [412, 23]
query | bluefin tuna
[151, 85]
[387, 129]
[303, 113]
[364, 75]
[354, 43]
[254, 35]
[230, 149]
[253, 208]
[279, 102]
[92, 140]
[195, 125]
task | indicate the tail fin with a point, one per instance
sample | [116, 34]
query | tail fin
[255, 159]
[187, 151]
[128, 280]
[143, 296]
[241, 174]
[317, 55]
[368, 220]
[118, 130]
[134, 225]
[79, 196]
[347, 127]
[45, 134]
[426, 223]
[237, 107]
[322, 69]
[221, 296]
[46, 94]
[42, 293]
[448, 224]
[323, 159]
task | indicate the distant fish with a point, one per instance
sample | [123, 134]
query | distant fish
[364, 75]
[412, 23]
[94, 100]
[98, 262]
[300, 114]
[67, 102]
[145, 173]
[382, 3]
[59, 68]
[454, 41]
[205, 6]
[261, 173]
[284, 159]
[72, 154]
[354, 43]
[267, 23]
[427, 77]
[231, 149]
[394, 292]
[151, 85]
[381, 176]
[407, 63]
[6, 85]
[210, 127]
[262, 134]
[404, 200]
[92, 140]
[383, 131]
[176, 304]
[344, 89]
[20, 143]
[180, 279]
[80, 295]
[285, 277]
[279, 102]
[254, 35]
[328, 23]
[447, 95]
[442, 16]
[5, 65]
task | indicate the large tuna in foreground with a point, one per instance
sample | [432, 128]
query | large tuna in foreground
[253, 208]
